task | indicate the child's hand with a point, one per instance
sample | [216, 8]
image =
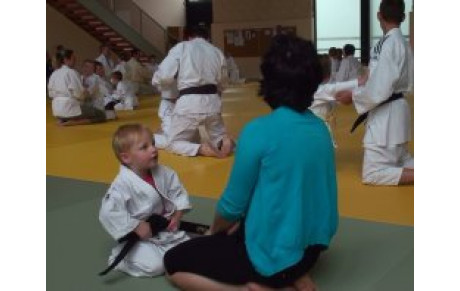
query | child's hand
[175, 221]
[344, 97]
[143, 230]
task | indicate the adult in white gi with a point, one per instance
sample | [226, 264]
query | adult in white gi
[67, 91]
[135, 72]
[151, 66]
[105, 59]
[201, 73]
[386, 157]
[349, 66]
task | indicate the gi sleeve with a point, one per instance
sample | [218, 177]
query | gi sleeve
[222, 79]
[168, 67]
[114, 215]
[177, 193]
[75, 86]
[52, 92]
[120, 92]
[381, 82]
[327, 93]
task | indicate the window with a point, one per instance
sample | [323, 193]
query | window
[337, 23]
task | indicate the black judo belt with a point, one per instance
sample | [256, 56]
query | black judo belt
[361, 118]
[157, 224]
[205, 89]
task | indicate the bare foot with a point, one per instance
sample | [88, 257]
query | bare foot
[208, 151]
[305, 283]
[407, 177]
[227, 146]
[61, 122]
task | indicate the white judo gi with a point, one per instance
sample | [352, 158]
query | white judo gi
[233, 71]
[169, 94]
[107, 63]
[91, 83]
[66, 90]
[196, 63]
[335, 64]
[121, 67]
[125, 94]
[135, 73]
[348, 70]
[388, 126]
[324, 102]
[105, 89]
[129, 200]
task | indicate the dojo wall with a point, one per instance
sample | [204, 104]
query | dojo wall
[60, 30]
[241, 14]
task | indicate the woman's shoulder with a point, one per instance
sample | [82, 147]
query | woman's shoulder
[258, 123]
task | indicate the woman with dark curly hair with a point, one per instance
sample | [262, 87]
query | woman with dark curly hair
[279, 209]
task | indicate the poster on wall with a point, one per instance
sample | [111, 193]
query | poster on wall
[252, 42]
[239, 40]
[229, 36]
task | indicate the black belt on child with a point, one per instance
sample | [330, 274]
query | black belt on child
[204, 89]
[362, 117]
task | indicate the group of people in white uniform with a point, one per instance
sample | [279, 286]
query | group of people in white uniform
[191, 79]
[99, 91]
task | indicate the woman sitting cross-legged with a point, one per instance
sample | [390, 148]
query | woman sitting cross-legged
[279, 209]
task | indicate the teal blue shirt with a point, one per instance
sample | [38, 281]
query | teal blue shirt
[283, 182]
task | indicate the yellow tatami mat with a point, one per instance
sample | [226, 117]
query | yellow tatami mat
[84, 152]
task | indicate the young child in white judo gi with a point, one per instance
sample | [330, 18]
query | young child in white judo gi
[105, 89]
[387, 160]
[324, 102]
[105, 58]
[121, 66]
[123, 92]
[91, 83]
[142, 188]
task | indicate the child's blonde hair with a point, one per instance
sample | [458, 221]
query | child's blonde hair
[126, 136]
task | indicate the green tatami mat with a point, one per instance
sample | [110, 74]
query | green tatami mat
[364, 255]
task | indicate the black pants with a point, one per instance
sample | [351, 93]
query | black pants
[223, 258]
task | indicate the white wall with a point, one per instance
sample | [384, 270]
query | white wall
[165, 12]
[60, 30]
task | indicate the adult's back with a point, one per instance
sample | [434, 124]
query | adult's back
[201, 63]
